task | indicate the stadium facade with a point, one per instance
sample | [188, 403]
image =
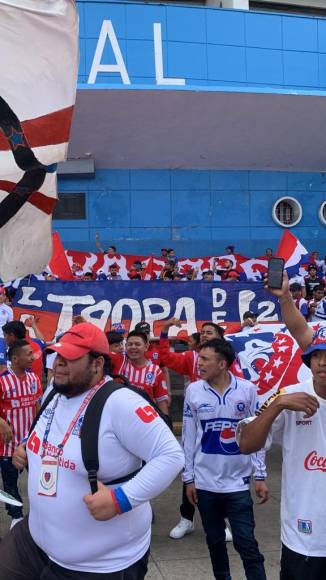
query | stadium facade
[196, 127]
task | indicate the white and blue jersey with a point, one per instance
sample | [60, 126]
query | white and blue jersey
[213, 459]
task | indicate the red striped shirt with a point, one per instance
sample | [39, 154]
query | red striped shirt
[150, 378]
[19, 396]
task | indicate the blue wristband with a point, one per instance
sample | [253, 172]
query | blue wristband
[123, 501]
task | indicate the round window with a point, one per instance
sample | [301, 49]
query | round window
[287, 212]
[322, 213]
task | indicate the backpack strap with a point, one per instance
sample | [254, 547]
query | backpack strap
[45, 403]
[89, 433]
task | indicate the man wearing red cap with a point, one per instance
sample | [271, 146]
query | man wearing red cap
[296, 419]
[69, 532]
[6, 315]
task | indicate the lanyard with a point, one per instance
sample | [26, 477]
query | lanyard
[80, 411]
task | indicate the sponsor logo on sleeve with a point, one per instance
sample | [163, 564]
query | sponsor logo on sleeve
[147, 414]
[187, 412]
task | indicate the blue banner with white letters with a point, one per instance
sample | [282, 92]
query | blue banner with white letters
[55, 303]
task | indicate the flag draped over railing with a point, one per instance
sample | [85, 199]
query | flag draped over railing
[39, 63]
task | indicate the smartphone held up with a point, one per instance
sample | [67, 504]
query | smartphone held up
[275, 273]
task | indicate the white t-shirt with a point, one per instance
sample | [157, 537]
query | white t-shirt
[6, 315]
[303, 497]
[62, 526]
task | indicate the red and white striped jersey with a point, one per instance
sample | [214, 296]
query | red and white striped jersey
[150, 378]
[18, 399]
[186, 363]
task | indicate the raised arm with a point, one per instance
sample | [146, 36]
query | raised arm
[98, 243]
[180, 362]
[252, 435]
[291, 316]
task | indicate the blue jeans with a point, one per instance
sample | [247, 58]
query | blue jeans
[10, 485]
[237, 507]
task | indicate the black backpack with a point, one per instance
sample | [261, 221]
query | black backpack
[91, 425]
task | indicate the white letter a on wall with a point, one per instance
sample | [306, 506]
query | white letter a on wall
[107, 31]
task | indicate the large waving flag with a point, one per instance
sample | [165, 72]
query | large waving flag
[270, 357]
[39, 62]
[293, 252]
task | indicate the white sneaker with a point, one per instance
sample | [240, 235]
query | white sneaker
[182, 528]
[228, 534]
[15, 521]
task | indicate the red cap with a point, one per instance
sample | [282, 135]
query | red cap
[81, 339]
[233, 274]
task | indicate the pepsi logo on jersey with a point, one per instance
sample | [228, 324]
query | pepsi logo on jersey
[219, 436]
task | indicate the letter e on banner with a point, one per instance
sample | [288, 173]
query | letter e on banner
[219, 298]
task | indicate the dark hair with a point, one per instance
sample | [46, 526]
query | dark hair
[113, 248]
[108, 366]
[168, 275]
[17, 345]
[320, 287]
[249, 314]
[295, 287]
[141, 335]
[15, 327]
[221, 347]
[114, 337]
[196, 337]
[218, 328]
[210, 272]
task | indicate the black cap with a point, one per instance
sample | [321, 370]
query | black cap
[143, 327]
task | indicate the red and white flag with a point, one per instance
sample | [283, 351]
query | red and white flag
[39, 50]
[59, 265]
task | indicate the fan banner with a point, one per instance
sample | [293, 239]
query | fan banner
[55, 303]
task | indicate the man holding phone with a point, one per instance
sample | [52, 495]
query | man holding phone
[296, 419]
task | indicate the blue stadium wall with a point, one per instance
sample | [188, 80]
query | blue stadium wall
[199, 211]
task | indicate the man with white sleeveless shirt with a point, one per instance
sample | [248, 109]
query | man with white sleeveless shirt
[296, 419]
[71, 534]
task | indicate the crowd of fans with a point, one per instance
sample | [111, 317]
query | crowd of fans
[170, 268]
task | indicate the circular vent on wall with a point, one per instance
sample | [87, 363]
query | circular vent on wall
[322, 213]
[287, 212]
